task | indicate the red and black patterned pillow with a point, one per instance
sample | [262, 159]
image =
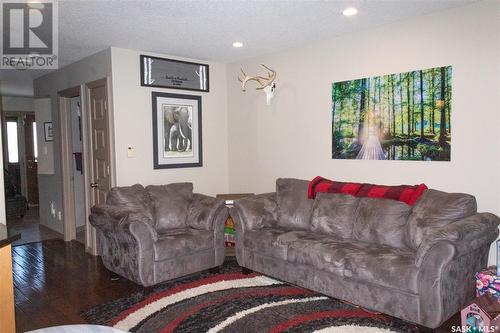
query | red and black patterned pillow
[404, 193]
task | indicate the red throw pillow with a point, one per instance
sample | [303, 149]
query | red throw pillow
[320, 184]
[404, 193]
[417, 193]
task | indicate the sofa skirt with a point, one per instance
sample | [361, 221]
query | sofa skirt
[394, 302]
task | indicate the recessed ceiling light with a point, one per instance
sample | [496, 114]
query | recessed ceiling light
[237, 44]
[351, 11]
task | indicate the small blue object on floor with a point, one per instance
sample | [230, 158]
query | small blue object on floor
[78, 329]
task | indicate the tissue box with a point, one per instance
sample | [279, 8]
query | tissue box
[481, 315]
[487, 281]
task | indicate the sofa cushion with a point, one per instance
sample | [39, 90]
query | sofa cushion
[382, 265]
[271, 241]
[334, 214]
[294, 208]
[437, 209]
[257, 210]
[320, 252]
[170, 204]
[177, 243]
[372, 263]
[382, 221]
[134, 198]
[203, 211]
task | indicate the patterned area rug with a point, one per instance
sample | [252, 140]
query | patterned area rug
[230, 301]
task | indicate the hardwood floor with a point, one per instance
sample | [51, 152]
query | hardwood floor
[54, 281]
[30, 229]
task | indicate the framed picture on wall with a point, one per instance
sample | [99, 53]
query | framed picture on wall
[402, 116]
[173, 74]
[177, 139]
[48, 131]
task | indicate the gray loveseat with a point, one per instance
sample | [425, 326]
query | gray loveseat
[153, 234]
[413, 262]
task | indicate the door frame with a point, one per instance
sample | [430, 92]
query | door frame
[68, 197]
[21, 146]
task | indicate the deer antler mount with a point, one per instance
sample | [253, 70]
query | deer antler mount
[266, 84]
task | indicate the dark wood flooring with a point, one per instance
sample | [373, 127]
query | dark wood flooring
[30, 229]
[55, 281]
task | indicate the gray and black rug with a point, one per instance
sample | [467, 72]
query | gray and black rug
[230, 301]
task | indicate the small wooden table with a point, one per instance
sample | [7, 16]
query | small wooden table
[7, 314]
[229, 198]
[229, 238]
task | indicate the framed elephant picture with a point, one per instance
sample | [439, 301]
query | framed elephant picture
[177, 141]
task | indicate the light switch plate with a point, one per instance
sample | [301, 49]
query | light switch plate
[130, 151]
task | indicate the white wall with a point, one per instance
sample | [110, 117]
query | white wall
[15, 103]
[89, 69]
[133, 127]
[292, 137]
[43, 114]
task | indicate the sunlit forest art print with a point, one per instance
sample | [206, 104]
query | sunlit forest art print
[403, 116]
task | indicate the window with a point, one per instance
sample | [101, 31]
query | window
[12, 143]
[35, 142]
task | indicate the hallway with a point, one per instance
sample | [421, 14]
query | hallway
[30, 229]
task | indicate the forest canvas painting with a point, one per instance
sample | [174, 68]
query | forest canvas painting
[403, 116]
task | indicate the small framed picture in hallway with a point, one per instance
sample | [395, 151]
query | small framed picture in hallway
[177, 135]
[404, 116]
[48, 131]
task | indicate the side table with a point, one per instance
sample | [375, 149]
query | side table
[229, 229]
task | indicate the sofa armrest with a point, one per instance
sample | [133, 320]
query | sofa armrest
[253, 212]
[447, 260]
[466, 235]
[256, 211]
[107, 215]
[126, 241]
[203, 212]
[113, 217]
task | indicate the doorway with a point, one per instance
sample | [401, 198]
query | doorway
[20, 148]
[21, 154]
[86, 156]
[77, 170]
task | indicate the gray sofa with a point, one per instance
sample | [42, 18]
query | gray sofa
[412, 262]
[153, 234]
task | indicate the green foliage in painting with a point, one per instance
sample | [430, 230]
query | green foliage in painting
[403, 116]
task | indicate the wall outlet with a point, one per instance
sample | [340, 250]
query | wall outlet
[52, 209]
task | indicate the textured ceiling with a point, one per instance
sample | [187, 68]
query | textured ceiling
[206, 29]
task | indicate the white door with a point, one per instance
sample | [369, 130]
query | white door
[99, 145]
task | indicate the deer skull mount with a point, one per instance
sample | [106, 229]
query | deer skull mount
[266, 84]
